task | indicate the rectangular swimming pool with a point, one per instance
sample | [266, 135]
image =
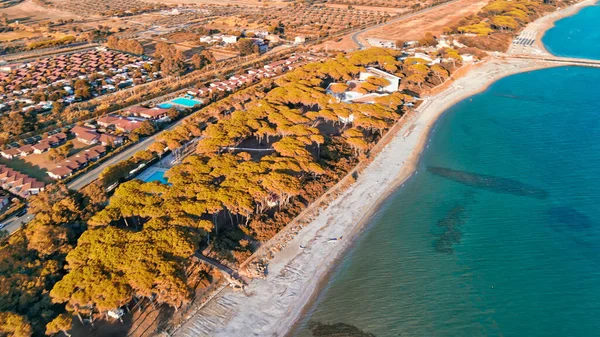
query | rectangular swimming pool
[157, 176]
[187, 102]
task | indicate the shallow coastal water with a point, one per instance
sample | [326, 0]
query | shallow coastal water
[498, 234]
[576, 36]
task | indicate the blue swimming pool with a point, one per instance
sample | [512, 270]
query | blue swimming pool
[187, 102]
[157, 176]
[165, 106]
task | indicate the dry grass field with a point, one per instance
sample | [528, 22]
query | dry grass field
[408, 4]
[222, 2]
[96, 7]
[16, 35]
[432, 21]
[391, 10]
[29, 12]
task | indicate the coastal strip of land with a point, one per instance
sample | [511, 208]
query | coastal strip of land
[270, 306]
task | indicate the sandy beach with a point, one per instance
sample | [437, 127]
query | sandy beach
[270, 306]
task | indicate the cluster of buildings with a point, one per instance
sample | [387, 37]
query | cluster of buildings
[21, 84]
[253, 75]
[262, 43]
[18, 183]
[38, 148]
[153, 114]
[219, 39]
[71, 165]
[90, 136]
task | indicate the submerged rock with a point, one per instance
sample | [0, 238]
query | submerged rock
[319, 329]
[569, 218]
[489, 183]
[451, 234]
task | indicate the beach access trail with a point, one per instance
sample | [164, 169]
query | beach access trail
[270, 306]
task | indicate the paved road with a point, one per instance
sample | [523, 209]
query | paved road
[14, 223]
[93, 174]
[356, 36]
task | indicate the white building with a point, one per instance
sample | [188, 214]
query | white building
[393, 79]
[300, 40]
[229, 39]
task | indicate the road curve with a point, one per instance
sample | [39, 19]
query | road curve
[356, 36]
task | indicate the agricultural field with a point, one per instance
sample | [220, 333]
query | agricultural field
[314, 21]
[431, 21]
[29, 12]
[100, 7]
[16, 35]
[224, 2]
[407, 4]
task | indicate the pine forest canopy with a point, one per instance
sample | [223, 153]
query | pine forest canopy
[87, 256]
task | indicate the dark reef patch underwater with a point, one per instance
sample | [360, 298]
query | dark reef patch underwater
[489, 182]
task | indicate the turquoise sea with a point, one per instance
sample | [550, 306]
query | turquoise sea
[576, 36]
[498, 234]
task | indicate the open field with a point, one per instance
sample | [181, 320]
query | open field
[15, 35]
[314, 21]
[405, 4]
[345, 43]
[97, 7]
[431, 21]
[222, 2]
[29, 12]
[391, 10]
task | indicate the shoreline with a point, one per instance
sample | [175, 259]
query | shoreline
[272, 306]
[547, 22]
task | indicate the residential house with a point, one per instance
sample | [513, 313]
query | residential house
[75, 163]
[10, 153]
[25, 150]
[60, 172]
[119, 123]
[154, 114]
[57, 139]
[278, 66]
[85, 135]
[107, 139]
[135, 110]
[19, 183]
[41, 147]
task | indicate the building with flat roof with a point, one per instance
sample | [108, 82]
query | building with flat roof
[393, 79]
